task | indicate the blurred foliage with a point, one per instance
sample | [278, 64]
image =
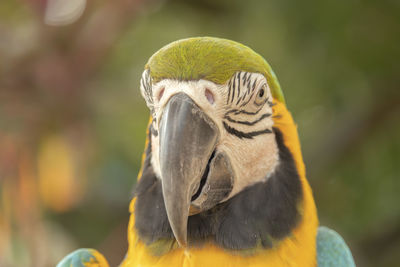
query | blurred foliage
[72, 122]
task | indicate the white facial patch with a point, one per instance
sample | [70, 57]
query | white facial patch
[242, 110]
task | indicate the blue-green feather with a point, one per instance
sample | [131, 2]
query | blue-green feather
[332, 251]
[77, 258]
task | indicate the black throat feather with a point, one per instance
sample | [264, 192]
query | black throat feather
[259, 216]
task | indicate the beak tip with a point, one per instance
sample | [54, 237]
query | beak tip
[182, 243]
[183, 122]
[182, 240]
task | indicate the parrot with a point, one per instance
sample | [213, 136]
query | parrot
[222, 181]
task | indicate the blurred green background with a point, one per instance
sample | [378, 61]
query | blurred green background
[72, 122]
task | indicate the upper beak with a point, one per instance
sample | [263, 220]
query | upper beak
[188, 138]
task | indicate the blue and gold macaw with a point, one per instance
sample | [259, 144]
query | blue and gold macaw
[223, 180]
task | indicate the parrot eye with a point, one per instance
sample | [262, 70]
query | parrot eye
[160, 94]
[261, 96]
[209, 95]
[261, 93]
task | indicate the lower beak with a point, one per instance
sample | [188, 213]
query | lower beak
[188, 138]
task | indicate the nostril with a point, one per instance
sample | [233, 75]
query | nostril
[160, 94]
[209, 95]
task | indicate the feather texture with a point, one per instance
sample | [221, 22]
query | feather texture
[332, 250]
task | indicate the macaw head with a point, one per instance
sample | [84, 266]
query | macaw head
[211, 133]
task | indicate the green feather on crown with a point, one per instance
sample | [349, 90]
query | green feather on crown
[209, 58]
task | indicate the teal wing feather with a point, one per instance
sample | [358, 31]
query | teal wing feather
[83, 257]
[332, 251]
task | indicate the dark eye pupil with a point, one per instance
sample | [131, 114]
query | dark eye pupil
[261, 93]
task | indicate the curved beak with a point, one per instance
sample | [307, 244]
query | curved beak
[188, 138]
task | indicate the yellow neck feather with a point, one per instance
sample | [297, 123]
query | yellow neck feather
[298, 249]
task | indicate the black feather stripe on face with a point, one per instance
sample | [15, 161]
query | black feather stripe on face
[249, 123]
[241, 134]
[147, 90]
[259, 215]
[241, 80]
